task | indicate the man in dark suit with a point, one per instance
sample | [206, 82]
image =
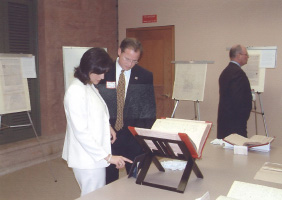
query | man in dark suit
[139, 109]
[235, 97]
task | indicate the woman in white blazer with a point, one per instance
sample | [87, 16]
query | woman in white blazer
[87, 146]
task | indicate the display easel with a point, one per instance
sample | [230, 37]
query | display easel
[5, 126]
[164, 150]
[261, 113]
[196, 109]
[196, 100]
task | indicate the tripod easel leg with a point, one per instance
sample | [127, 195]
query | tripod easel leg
[36, 135]
[262, 113]
[175, 106]
[255, 111]
[37, 138]
[197, 110]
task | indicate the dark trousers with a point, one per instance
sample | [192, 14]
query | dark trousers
[227, 127]
[126, 146]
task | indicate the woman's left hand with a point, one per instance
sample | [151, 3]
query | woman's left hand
[113, 135]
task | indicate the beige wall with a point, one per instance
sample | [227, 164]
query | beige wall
[203, 31]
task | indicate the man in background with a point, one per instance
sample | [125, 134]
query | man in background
[235, 97]
[129, 94]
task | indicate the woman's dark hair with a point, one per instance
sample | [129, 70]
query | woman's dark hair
[95, 60]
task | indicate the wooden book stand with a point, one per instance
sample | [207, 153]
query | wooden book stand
[163, 149]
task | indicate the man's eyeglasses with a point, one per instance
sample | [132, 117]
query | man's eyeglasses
[130, 61]
[245, 54]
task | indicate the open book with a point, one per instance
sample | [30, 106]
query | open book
[256, 140]
[192, 133]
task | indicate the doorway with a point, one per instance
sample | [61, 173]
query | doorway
[158, 52]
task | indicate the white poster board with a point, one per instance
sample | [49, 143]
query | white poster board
[268, 56]
[28, 67]
[14, 92]
[260, 58]
[256, 75]
[71, 59]
[189, 83]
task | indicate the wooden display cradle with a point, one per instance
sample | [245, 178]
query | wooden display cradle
[165, 148]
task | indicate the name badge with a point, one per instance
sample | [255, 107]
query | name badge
[111, 85]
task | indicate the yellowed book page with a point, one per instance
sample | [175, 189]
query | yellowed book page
[236, 139]
[194, 129]
[242, 141]
[260, 139]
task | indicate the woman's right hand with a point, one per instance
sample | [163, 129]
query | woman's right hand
[119, 161]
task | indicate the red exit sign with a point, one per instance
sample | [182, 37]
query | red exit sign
[149, 18]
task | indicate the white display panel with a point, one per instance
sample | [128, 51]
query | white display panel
[14, 92]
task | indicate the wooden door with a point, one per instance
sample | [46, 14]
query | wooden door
[158, 52]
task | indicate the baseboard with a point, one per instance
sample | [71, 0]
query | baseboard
[19, 155]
